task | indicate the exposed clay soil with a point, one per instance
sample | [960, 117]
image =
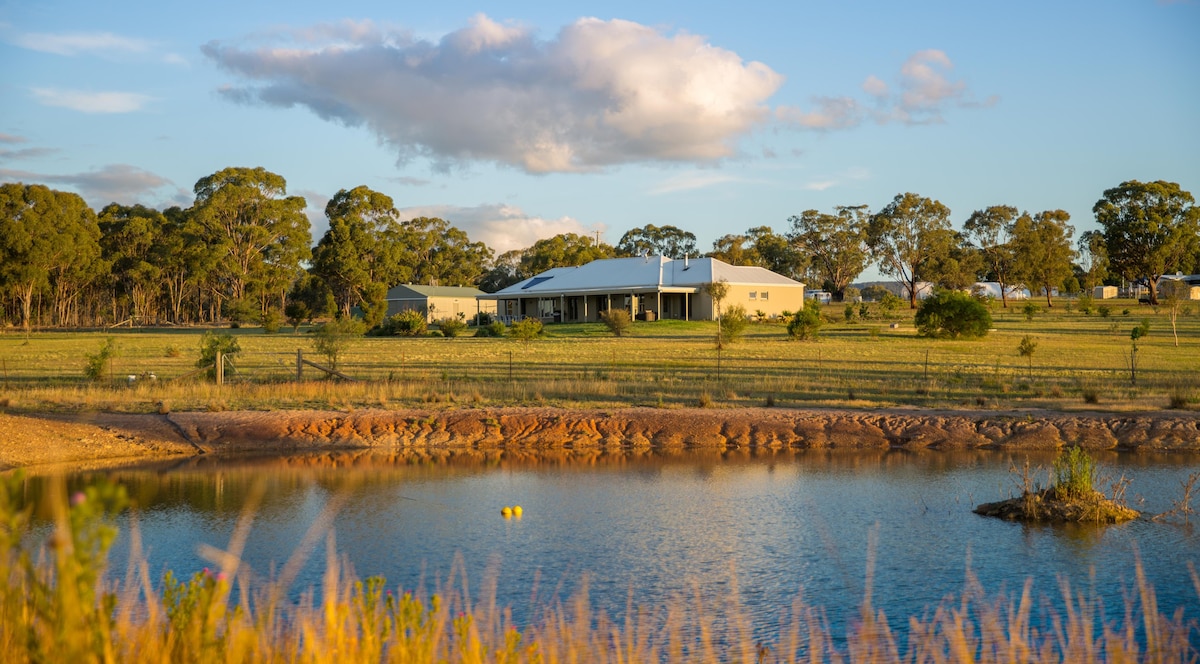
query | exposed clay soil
[27, 440]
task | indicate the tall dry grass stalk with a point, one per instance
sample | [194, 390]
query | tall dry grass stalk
[56, 607]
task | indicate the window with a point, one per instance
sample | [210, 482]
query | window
[753, 295]
[765, 296]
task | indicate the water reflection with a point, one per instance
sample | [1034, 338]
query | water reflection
[658, 523]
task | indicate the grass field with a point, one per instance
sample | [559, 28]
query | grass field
[862, 364]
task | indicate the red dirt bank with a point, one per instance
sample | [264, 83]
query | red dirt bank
[33, 440]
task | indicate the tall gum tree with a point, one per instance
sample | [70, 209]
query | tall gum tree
[990, 231]
[669, 241]
[836, 244]
[260, 234]
[1150, 229]
[1042, 250]
[355, 252]
[909, 237]
[48, 239]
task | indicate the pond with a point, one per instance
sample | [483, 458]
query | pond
[654, 525]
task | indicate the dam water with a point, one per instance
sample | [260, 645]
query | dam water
[646, 528]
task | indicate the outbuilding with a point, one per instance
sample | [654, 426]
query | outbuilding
[438, 302]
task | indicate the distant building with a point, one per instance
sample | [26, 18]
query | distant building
[1104, 292]
[438, 302]
[648, 287]
[992, 289]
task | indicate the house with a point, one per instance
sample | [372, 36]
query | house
[438, 302]
[648, 287]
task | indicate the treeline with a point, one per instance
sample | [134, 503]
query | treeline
[243, 251]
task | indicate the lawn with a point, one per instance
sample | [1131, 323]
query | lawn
[860, 364]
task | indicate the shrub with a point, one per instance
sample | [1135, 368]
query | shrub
[617, 321]
[481, 318]
[848, 312]
[851, 294]
[407, 323]
[806, 324]
[1030, 309]
[270, 321]
[97, 363]
[889, 303]
[211, 344]
[527, 329]
[1074, 474]
[952, 314]
[452, 327]
[1105, 310]
[733, 323]
[493, 329]
[334, 338]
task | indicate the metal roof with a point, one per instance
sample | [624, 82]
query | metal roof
[417, 291]
[641, 273]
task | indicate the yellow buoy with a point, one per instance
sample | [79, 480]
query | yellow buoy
[517, 510]
[506, 511]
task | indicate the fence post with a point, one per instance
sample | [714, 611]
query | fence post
[220, 368]
[299, 365]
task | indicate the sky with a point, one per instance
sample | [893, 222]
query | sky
[520, 120]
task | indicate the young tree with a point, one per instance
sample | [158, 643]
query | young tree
[836, 244]
[908, 238]
[990, 230]
[1042, 246]
[718, 291]
[652, 240]
[1150, 229]
[334, 339]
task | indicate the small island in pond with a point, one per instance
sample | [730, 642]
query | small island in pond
[1072, 499]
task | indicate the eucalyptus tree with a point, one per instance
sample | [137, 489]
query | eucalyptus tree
[1042, 246]
[432, 252]
[1093, 255]
[669, 241]
[836, 244]
[1150, 229]
[48, 240]
[128, 237]
[735, 249]
[259, 233]
[356, 252]
[990, 231]
[563, 250]
[909, 238]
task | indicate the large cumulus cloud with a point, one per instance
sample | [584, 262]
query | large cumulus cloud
[598, 93]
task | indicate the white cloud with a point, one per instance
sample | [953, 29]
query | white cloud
[598, 93]
[9, 138]
[923, 90]
[92, 102]
[830, 113]
[692, 180]
[845, 177]
[75, 43]
[119, 183]
[502, 227]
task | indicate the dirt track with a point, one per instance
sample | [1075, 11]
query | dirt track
[91, 439]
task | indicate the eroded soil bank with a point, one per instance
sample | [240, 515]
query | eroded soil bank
[27, 440]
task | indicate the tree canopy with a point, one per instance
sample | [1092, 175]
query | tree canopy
[1042, 246]
[990, 231]
[1150, 229]
[836, 244]
[669, 241]
[909, 237]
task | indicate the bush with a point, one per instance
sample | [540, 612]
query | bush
[481, 318]
[733, 324]
[211, 344]
[97, 363]
[848, 312]
[851, 294]
[1030, 309]
[889, 303]
[270, 321]
[806, 324]
[492, 329]
[452, 327]
[617, 321]
[952, 314]
[1074, 474]
[335, 337]
[527, 329]
[407, 323]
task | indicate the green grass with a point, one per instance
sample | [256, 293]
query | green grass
[662, 364]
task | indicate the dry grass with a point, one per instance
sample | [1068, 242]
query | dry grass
[54, 607]
[668, 363]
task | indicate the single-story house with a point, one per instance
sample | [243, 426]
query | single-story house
[648, 287]
[438, 302]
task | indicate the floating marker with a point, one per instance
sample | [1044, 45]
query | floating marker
[506, 511]
[516, 510]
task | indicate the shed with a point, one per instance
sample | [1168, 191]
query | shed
[438, 302]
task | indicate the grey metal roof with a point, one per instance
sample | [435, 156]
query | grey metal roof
[641, 273]
[417, 291]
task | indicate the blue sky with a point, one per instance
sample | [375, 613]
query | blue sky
[519, 120]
